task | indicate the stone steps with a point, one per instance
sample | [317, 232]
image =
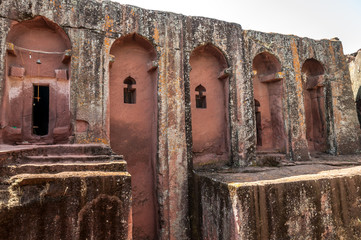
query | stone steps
[35, 164]
[77, 149]
[57, 159]
[20, 154]
[71, 158]
[50, 167]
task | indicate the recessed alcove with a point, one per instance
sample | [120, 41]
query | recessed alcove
[209, 106]
[133, 124]
[268, 94]
[35, 68]
[314, 103]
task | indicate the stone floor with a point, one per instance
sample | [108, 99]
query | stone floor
[320, 165]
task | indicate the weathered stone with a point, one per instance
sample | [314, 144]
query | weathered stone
[288, 203]
[83, 106]
[66, 196]
[354, 65]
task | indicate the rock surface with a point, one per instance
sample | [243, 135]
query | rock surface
[308, 201]
[93, 26]
[64, 192]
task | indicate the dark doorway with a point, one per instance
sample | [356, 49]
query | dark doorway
[41, 110]
[258, 122]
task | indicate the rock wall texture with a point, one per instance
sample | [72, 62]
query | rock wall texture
[354, 65]
[93, 26]
[64, 192]
[322, 205]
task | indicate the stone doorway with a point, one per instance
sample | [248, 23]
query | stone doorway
[36, 97]
[41, 110]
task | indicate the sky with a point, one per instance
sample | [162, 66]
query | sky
[317, 19]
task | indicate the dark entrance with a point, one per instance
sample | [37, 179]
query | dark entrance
[258, 122]
[41, 110]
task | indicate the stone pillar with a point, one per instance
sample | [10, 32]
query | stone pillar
[172, 150]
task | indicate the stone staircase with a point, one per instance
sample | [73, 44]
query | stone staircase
[64, 192]
[36, 162]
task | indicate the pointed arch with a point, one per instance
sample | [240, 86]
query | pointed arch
[268, 90]
[209, 106]
[133, 125]
[314, 103]
[266, 63]
[37, 108]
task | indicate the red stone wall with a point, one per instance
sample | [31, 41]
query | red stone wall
[210, 125]
[133, 127]
[30, 43]
[268, 91]
[315, 104]
[92, 26]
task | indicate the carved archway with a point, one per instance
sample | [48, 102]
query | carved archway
[209, 106]
[133, 125]
[35, 107]
[268, 90]
[314, 102]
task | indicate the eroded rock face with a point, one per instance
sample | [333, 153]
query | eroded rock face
[88, 112]
[68, 206]
[322, 205]
[64, 192]
[354, 64]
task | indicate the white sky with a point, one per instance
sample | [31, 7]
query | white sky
[317, 19]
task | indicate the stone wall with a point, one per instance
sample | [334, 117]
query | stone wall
[270, 205]
[354, 65]
[64, 192]
[93, 26]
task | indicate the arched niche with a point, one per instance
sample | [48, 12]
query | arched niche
[36, 101]
[209, 90]
[268, 94]
[314, 103]
[133, 127]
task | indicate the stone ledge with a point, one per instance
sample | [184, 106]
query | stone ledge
[302, 201]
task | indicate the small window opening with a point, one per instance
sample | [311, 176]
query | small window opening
[200, 98]
[41, 110]
[129, 92]
[257, 105]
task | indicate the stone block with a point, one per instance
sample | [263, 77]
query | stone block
[16, 71]
[268, 205]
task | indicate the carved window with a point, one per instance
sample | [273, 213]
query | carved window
[200, 98]
[129, 91]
